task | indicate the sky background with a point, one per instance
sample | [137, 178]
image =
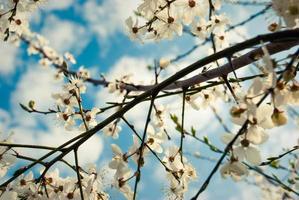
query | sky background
[94, 31]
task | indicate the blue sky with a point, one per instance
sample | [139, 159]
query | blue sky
[94, 32]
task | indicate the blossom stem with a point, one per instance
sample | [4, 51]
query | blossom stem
[182, 125]
[78, 173]
[140, 160]
[27, 146]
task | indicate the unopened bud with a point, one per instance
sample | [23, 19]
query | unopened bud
[31, 104]
[197, 154]
[278, 117]
[164, 63]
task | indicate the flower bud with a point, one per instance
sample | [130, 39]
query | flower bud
[278, 117]
[164, 63]
[31, 104]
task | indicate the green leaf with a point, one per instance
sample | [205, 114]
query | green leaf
[193, 131]
[137, 13]
[213, 148]
[149, 67]
[291, 181]
[274, 164]
[292, 164]
[174, 118]
[206, 139]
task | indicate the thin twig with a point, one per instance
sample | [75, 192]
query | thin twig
[140, 159]
[182, 125]
[270, 160]
[78, 173]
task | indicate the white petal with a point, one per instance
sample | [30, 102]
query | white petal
[239, 152]
[253, 155]
[256, 88]
[129, 22]
[116, 150]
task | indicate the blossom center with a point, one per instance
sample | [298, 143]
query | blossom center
[151, 140]
[171, 159]
[18, 22]
[135, 30]
[88, 118]
[70, 195]
[245, 143]
[192, 3]
[66, 101]
[65, 117]
[170, 20]
[199, 28]
[22, 182]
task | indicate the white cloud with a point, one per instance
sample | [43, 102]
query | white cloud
[89, 152]
[65, 35]
[35, 84]
[4, 120]
[284, 137]
[246, 192]
[58, 4]
[9, 58]
[108, 17]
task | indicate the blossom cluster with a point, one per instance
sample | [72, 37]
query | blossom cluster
[283, 92]
[14, 17]
[7, 158]
[39, 45]
[179, 171]
[70, 108]
[54, 186]
[288, 10]
[163, 19]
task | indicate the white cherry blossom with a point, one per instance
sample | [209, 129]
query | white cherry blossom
[135, 33]
[243, 149]
[112, 130]
[155, 139]
[201, 28]
[168, 24]
[83, 73]
[191, 9]
[90, 119]
[234, 169]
